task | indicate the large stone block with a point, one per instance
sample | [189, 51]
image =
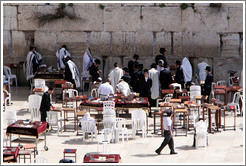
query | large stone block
[6, 46]
[183, 44]
[144, 45]
[236, 19]
[163, 39]
[232, 5]
[105, 43]
[205, 19]
[161, 19]
[206, 44]
[122, 19]
[230, 45]
[88, 19]
[10, 18]
[19, 44]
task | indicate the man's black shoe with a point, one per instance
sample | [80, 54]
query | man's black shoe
[157, 152]
[173, 153]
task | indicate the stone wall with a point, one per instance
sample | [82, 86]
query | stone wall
[115, 33]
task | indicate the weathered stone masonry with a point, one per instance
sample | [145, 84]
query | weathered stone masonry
[118, 31]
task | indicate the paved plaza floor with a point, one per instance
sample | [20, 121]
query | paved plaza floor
[224, 147]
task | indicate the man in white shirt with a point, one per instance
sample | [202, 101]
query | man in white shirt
[123, 87]
[106, 89]
[115, 75]
[168, 134]
[60, 54]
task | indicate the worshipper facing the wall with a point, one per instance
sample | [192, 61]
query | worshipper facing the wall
[60, 55]
[106, 89]
[179, 76]
[160, 66]
[208, 83]
[168, 134]
[200, 74]
[153, 74]
[38, 55]
[137, 76]
[45, 104]
[115, 75]
[131, 64]
[94, 71]
[126, 77]
[161, 56]
[123, 87]
[187, 70]
[31, 65]
[165, 78]
[71, 72]
[87, 117]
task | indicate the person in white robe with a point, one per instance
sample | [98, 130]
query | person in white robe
[123, 87]
[201, 72]
[115, 75]
[87, 117]
[31, 64]
[106, 89]
[187, 69]
[160, 66]
[38, 56]
[60, 54]
[154, 76]
[75, 72]
[87, 63]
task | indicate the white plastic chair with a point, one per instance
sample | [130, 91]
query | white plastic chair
[40, 83]
[138, 122]
[34, 106]
[7, 99]
[223, 82]
[195, 90]
[10, 116]
[70, 93]
[121, 129]
[105, 139]
[88, 127]
[201, 133]
[165, 99]
[176, 85]
[9, 75]
[235, 102]
[94, 92]
[41, 160]
[54, 120]
[109, 121]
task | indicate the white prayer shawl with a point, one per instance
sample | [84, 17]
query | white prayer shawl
[38, 56]
[187, 69]
[87, 62]
[29, 65]
[60, 54]
[201, 73]
[159, 69]
[75, 72]
[88, 117]
[105, 89]
[154, 75]
[115, 76]
[124, 88]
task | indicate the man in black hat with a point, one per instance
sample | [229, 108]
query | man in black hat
[161, 56]
[137, 76]
[179, 76]
[168, 134]
[208, 82]
[131, 64]
[94, 72]
[45, 104]
[126, 76]
[165, 78]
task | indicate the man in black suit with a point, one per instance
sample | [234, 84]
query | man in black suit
[45, 104]
[131, 64]
[161, 56]
[126, 76]
[179, 76]
[165, 78]
[208, 82]
[94, 72]
[137, 76]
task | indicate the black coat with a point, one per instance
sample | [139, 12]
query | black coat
[126, 78]
[165, 79]
[137, 76]
[130, 67]
[159, 57]
[93, 72]
[145, 87]
[208, 84]
[35, 64]
[179, 76]
[45, 106]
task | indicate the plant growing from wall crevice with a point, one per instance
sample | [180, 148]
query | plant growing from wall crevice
[162, 5]
[183, 6]
[101, 6]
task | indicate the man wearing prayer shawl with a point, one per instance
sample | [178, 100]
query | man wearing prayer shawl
[71, 72]
[115, 75]
[87, 63]
[154, 76]
[187, 70]
[123, 87]
[31, 64]
[200, 72]
[60, 54]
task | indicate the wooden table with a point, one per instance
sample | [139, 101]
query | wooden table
[233, 89]
[69, 153]
[11, 152]
[166, 91]
[208, 108]
[38, 90]
[201, 98]
[230, 108]
[192, 106]
[25, 153]
[220, 90]
[175, 101]
[161, 114]
[185, 114]
[66, 110]
[102, 158]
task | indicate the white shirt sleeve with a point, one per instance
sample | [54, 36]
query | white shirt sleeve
[169, 122]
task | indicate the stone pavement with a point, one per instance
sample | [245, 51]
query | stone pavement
[224, 147]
